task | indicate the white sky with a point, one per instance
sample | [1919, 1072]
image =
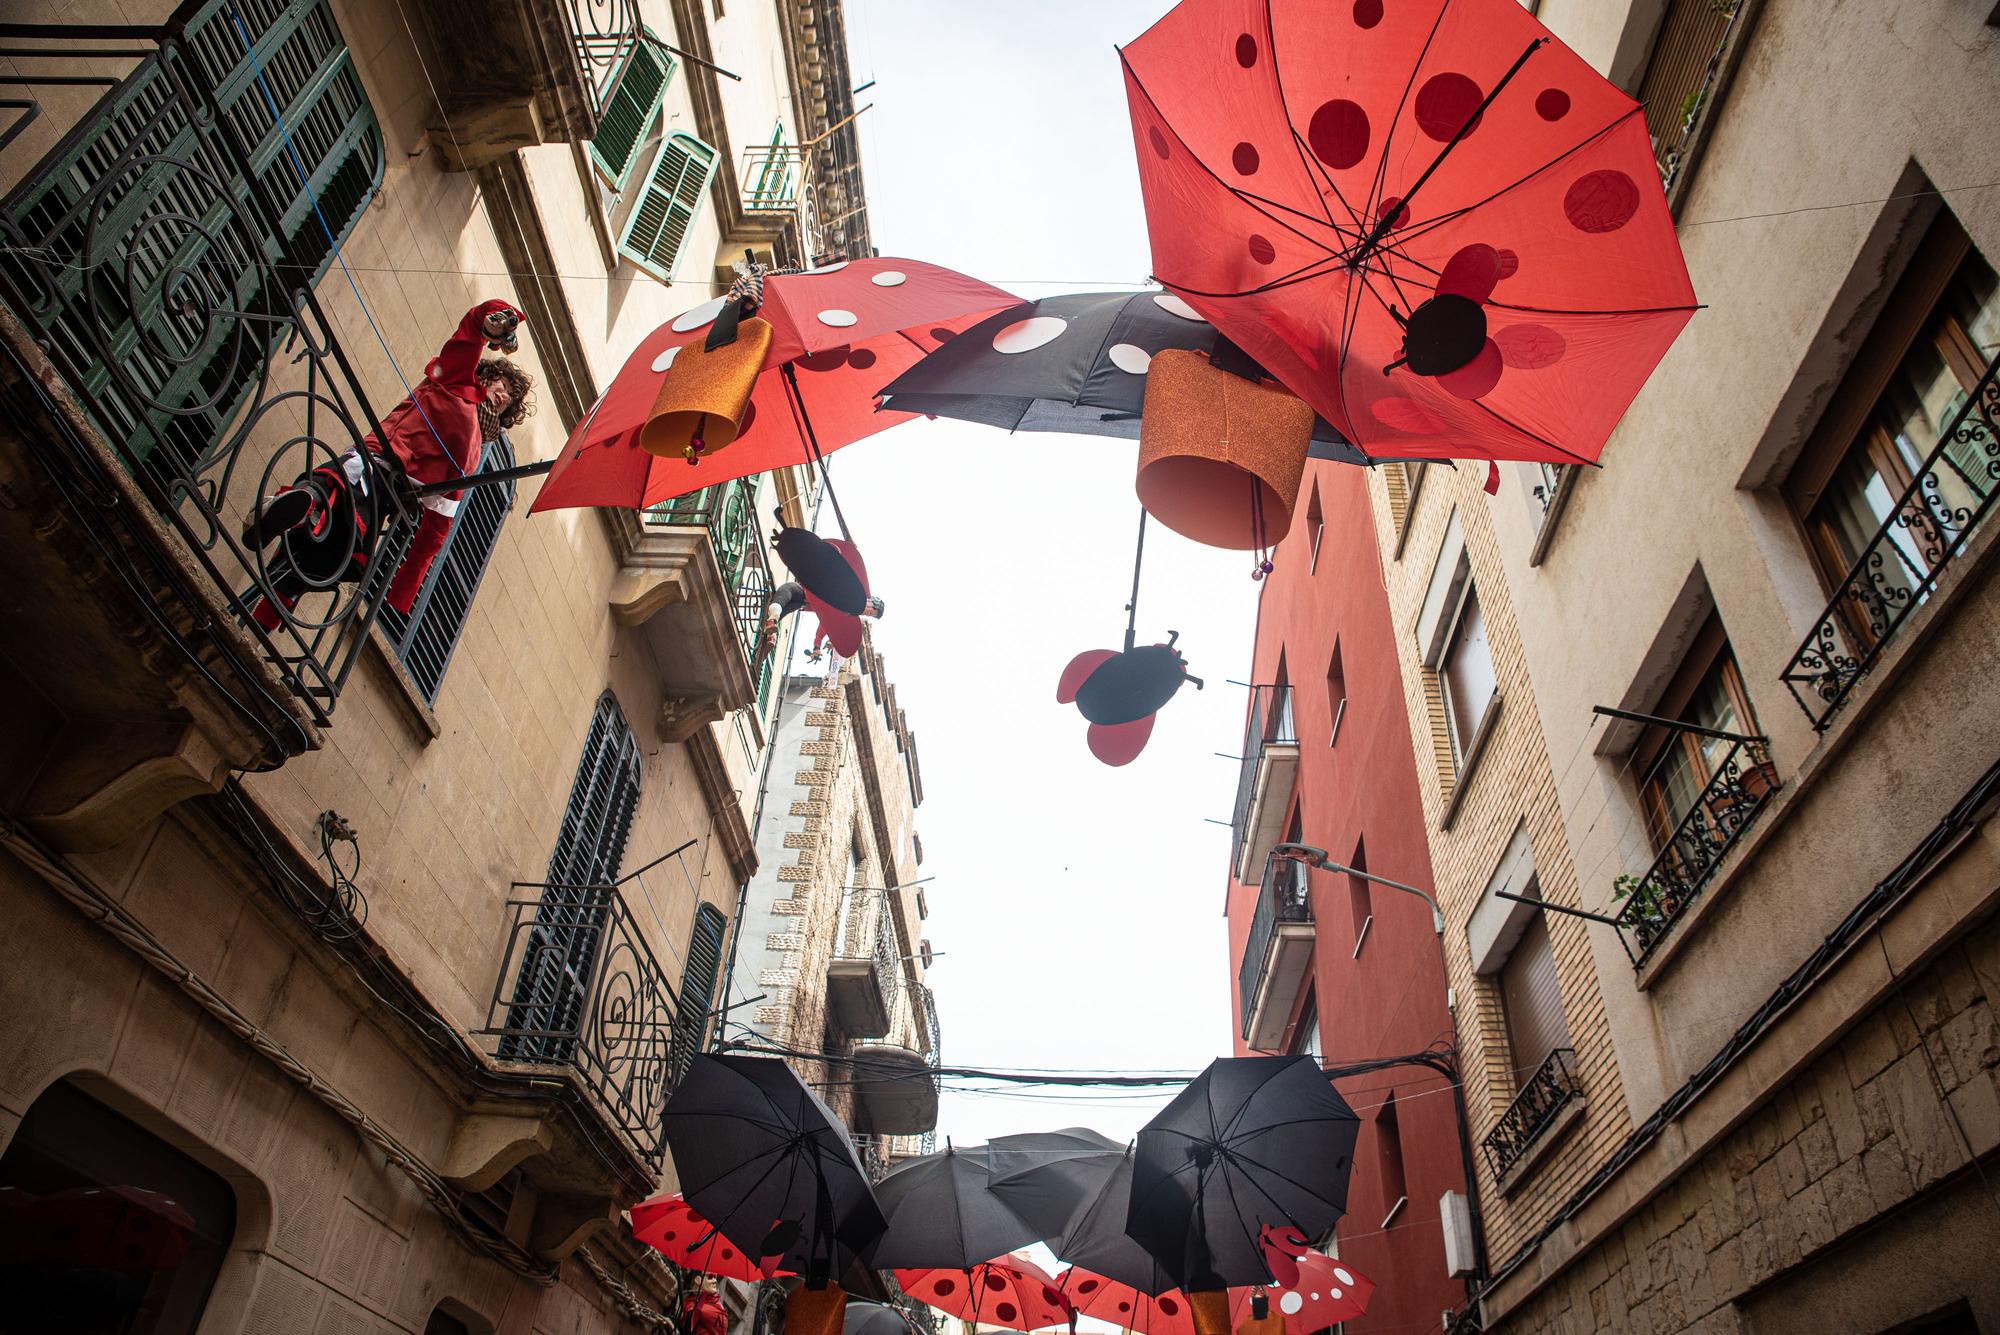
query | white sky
[1078, 907]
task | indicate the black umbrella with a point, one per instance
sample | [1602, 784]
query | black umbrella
[769, 1164]
[1253, 1143]
[942, 1215]
[1094, 1238]
[1072, 363]
[1047, 1176]
[863, 1318]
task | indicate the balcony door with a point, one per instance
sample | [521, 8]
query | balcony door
[553, 990]
[1532, 999]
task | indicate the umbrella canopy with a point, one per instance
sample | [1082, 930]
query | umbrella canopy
[679, 1232]
[1074, 363]
[865, 1318]
[846, 329]
[1095, 1239]
[1429, 219]
[1315, 1292]
[943, 1214]
[1009, 1291]
[760, 1156]
[1252, 1143]
[1045, 1177]
[1164, 1313]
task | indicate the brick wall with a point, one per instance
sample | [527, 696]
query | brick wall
[1511, 783]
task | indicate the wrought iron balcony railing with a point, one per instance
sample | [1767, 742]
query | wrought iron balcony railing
[602, 33]
[1283, 898]
[728, 511]
[866, 934]
[1718, 817]
[1684, 78]
[579, 986]
[774, 177]
[163, 258]
[1270, 737]
[1901, 565]
[1543, 1094]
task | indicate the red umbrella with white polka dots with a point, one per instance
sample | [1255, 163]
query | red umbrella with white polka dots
[839, 333]
[1313, 1292]
[1427, 218]
[1009, 1291]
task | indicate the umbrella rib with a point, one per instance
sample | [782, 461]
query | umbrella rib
[1138, 83]
[1255, 198]
[1416, 230]
[1285, 111]
[1533, 435]
[1375, 188]
[1315, 166]
[1630, 310]
[1303, 274]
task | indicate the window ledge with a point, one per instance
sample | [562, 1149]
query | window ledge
[1559, 1126]
[403, 689]
[1545, 535]
[1474, 753]
[1394, 1210]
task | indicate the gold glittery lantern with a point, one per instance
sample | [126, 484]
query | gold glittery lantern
[706, 394]
[1220, 457]
[1209, 1308]
[818, 1311]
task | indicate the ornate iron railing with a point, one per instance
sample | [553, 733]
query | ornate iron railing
[163, 257]
[774, 177]
[1725, 808]
[603, 33]
[579, 986]
[1684, 77]
[728, 511]
[865, 933]
[1542, 1096]
[934, 1053]
[1284, 897]
[1269, 724]
[873, 1151]
[1896, 572]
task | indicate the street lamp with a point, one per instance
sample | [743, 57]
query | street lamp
[1319, 859]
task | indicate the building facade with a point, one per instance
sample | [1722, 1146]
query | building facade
[833, 941]
[364, 950]
[1733, 1064]
[1326, 963]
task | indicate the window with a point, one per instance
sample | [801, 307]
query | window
[424, 639]
[1466, 676]
[1682, 75]
[1336, 695]
[1404, 481]
[1283, 727]
[108, 1229]
[631, 110]
[556, 963]
[1359, 902]
[698, 975]
[1316, 526]
[770, 169]
[1677, 767]
[1883, 431]
[657, 229]
[1531, 998]
[1306, 1042]
[1389, 1159]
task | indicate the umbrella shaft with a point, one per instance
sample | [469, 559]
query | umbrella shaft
[492, 478]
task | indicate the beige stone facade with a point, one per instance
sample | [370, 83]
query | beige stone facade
[409, 1133]
[1782, 1110]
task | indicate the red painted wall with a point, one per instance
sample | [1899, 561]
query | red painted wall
[1361, 792]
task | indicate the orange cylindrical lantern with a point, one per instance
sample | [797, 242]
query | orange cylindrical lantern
[705, 394]
[1220, 457]
[1208, 1307]
[810, 1311]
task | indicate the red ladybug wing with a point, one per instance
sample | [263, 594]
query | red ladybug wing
[1120, 743]
[1079, 671]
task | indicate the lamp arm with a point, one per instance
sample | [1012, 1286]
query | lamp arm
[1320, 859]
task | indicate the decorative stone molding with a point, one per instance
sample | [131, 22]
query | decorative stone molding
[681, 715]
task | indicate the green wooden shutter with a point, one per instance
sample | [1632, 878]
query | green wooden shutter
[629, 112]
[698, 975]
[658, 227]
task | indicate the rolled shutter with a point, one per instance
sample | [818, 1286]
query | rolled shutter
[658, 227]
[629, 112]
[1535, 1023]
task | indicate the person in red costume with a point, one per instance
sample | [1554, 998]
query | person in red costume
[702, 1312]
[323, 520]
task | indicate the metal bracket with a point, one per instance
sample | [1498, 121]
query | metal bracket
[1676, 725]
[1553, 907]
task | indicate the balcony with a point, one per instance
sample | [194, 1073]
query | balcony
[1264, 785]
[863, 979]
[1694, 54]
[165, 364]
[695, 582]
[1718, 817]
[1532, 1117]
[580, 988]
[896, 1079]
[544, 73]
[1900, 567]
[1277, 956]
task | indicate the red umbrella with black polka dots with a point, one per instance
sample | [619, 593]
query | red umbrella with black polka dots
[1427, 218]
[1009, 1291]
[677, 1231]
